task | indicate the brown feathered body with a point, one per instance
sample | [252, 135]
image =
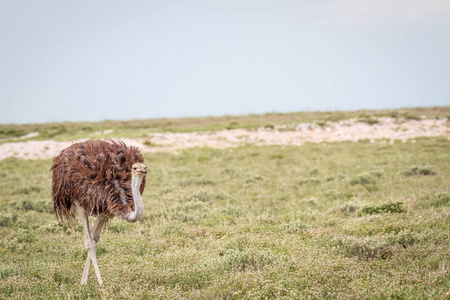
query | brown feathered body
[97, 175]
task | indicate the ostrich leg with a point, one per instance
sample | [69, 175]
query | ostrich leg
[95, 235]
[89, 243]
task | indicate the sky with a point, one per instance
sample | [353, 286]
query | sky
[64, 60]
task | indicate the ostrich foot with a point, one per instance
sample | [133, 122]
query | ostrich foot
[92, 255]
[91, 259]
[87, 271]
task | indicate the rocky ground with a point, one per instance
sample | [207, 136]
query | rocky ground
[385, 130]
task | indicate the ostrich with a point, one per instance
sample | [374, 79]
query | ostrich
[97, 178]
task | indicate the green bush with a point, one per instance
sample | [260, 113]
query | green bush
[369, 120]
[404, 238]
[201, 196]
[295, 227]
[390, 207]
[40, 206]
[14, 132]
[363, 249]
[348, 209]
[9, 270]
[309, 181]
[6, 219]
[366, 178]
[419, 170]
[244, 259]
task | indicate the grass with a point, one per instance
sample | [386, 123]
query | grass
[334, 221]
[144, 128]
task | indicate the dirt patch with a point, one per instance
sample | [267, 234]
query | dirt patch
[348, 130]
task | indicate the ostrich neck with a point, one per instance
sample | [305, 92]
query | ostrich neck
[138, 205]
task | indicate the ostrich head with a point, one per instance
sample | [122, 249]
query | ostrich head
[139, 169]
[138, 172]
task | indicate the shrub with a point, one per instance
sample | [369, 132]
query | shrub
[87, 129]
[411, 116]
[250, 178]
[390, 207]
[314, 172]
[369, 120]
[405, 238]
[366, 178]
[149, 143]
[18, 239]
[309, 180]
[419, 170]
[295, 227]
[321, 123]
[15, 132]
[201, 196]
[232, 125]
[329, 178]
[228, 171]
[11, 270]
[364, 249]
[347, 209]
[62, 278]
[244, 259]
[394, 114]
[41, 206]
[6, 219]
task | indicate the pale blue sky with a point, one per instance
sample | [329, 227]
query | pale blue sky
[95, 60]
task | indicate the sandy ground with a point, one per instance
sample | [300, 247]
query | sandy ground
[349, 130]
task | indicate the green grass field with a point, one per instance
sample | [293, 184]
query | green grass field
[337, 220]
